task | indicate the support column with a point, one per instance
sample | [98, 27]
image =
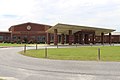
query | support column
[11, 37]
[102, 38]
[75, 39]
[67, 38]
[82, 38]
[110, 38]
[93, 38]
[48, 38]
[79, 38]
[63, 39]
[70, 37]
[55, 37]
[86, 39]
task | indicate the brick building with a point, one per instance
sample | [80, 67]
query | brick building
[26, 33]
[60, 33]
[5, 36]
[66, 33]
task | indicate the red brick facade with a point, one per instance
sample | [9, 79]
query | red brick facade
[5, 36]
[29, 33]
[36, 33]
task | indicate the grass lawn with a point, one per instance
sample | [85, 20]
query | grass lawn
[9, 44]
[108, 53]
[13, 45]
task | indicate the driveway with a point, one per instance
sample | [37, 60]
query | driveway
[21, 67]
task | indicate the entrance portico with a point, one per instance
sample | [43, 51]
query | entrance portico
[78, 34]
[84, 37]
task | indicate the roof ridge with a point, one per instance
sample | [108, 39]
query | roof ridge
[30, 23]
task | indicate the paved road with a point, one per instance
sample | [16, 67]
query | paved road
[26, 68]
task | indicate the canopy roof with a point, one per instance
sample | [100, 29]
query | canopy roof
[64, 28]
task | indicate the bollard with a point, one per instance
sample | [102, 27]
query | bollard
[36, 46]
[46, 52]
[57, 45]
[25, 49]
[99, 54]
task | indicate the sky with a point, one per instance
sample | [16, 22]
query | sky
[94, 13]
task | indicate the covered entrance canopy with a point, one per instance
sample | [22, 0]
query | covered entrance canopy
[64, 28]
[77, 34]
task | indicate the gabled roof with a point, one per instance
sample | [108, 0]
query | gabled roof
[31, 23]
[28, 23]
[63, 28]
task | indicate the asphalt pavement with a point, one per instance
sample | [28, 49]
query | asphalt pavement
[18, 67]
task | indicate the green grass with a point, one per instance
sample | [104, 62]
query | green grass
[13, 45]
[9, 44]
[108, 53]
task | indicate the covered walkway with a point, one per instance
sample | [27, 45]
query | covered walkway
[65, 33]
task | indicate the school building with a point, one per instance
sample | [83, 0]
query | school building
[60, 33]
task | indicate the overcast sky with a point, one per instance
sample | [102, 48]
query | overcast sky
[100, 13]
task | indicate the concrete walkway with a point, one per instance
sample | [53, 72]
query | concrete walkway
[21, 67]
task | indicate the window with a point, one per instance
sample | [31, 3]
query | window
[18, 37]
[1, 37]
[41, 38]
[7, 38]
[33, 37]
[25, 36]
[14, 37]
